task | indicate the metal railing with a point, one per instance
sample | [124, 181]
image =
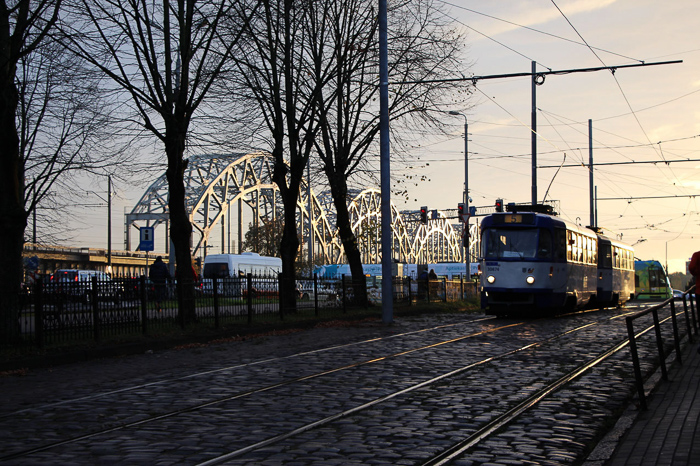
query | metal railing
[71, 312]
[691, 323]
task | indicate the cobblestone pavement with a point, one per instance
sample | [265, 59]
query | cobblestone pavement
[361, 394]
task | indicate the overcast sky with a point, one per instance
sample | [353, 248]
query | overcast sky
[648, 113]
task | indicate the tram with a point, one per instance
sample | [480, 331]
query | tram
[616, 275]
[651, 281]
[534, 262]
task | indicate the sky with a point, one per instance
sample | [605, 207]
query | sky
[643, 114]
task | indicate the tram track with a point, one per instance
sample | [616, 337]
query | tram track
[290, 382]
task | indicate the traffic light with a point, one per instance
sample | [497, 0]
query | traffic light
[424, 214]
[461, 210]
[499, 205]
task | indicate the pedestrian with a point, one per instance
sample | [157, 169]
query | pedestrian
[694, 269]
[432, 275]
[159, 274]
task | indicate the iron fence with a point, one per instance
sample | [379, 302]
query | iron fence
[691, 326]
[56, 313]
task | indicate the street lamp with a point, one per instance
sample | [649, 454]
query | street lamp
[465, 237]
[466, 157]
[109, 220]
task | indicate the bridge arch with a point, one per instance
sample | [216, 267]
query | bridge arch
[216, 185]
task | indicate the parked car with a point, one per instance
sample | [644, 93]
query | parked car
[326, 291]
[76, 285]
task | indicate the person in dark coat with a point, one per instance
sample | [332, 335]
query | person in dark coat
[694, 269]
[159, 274]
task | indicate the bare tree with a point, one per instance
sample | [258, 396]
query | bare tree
[422, 46]
[164, 58]
[24, 29]
[63, 128]
[273, 68]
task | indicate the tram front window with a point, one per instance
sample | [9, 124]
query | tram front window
[509, 244]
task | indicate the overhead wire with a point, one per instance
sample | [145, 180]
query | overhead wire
[520, 123]
[617, 82]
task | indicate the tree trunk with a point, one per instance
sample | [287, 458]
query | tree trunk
[180, 226]
[339, 191]
[13, 217]
[288, 251]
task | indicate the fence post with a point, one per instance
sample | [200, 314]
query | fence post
[249, 300]
[410, 297]
[676, 337]
[215, 284]
[342, 286]
[687, 320]
[315, 294]
[95, 309]
[461, 287]
[444, 287]
[39, 313]
[143, 296]
[659, 344]
[635, 363]
[179, 292]
[280, 294]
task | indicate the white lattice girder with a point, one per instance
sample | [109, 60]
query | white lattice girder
[214, 182]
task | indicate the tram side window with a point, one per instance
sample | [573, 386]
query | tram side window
[579, 248]
[560, 244]
[544, 244]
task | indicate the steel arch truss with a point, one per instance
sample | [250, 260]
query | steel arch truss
[412, 241]
[214, 184]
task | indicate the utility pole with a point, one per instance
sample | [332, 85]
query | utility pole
[385, 165]
[590, 171]
[109, 223]
[533, 134]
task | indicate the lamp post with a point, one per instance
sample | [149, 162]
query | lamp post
[109, 219]
[467, 258]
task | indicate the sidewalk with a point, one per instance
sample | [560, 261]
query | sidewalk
[668, 433]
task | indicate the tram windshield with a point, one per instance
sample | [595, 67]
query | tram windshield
[516, 243]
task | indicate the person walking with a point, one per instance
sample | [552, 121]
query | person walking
[694, 269]
[159, 274]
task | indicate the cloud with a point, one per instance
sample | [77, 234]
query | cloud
[528, 14]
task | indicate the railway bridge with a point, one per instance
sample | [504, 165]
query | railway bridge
[226, 191]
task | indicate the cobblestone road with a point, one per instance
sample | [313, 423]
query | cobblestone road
[365, 394]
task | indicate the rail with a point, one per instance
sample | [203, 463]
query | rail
[654, 311]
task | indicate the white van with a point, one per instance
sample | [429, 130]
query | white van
[230, 269]
[234, 265]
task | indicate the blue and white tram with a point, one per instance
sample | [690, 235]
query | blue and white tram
[534, 262]
[615, 272]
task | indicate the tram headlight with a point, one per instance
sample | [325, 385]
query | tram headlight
[491, 279]
[530, 280]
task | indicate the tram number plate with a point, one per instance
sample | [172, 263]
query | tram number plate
[515, 218]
